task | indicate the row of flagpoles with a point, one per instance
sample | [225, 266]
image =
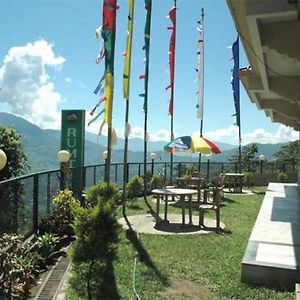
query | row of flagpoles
[105, 87]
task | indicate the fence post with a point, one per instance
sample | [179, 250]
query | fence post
[165, 171]
[83, 170]
[94, 175]
[35, 212]
[48, 193]
[16, 211]
[116, 173]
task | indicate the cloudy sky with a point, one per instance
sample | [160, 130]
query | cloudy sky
[47, 63]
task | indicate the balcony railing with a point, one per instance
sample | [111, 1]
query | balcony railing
[26, 199]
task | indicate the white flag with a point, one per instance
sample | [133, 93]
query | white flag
[200, 68]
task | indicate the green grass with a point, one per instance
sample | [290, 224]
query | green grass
[211, 261]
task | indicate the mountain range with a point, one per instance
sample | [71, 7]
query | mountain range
[41, 147]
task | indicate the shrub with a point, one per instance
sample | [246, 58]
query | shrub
[249, 179]
[135, 187]
[63, 215]
[96, 229]
[282, 177]
[16, 267]
[157, 182]
[104, 191]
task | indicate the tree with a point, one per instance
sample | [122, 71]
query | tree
[96, 228]
[17, 162]
[11, 201]
[288, 154]
[248, 157]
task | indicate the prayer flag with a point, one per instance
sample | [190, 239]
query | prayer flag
[172, 15]
[235, 80]
[200, 70]
[127, 64]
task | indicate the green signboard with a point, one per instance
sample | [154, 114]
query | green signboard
[72, 140]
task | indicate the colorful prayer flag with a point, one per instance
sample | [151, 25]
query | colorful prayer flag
[235, 80]
[127, 65]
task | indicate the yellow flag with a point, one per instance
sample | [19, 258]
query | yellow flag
[109, 92]
[127, 64]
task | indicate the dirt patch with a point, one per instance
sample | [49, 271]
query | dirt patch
[182, 289]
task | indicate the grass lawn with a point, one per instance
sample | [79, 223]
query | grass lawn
[190, 266]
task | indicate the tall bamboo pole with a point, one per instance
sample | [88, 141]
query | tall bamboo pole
[126, 87]
[172, 97]
[147, 32]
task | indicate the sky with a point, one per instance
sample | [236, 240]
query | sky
[47, 63]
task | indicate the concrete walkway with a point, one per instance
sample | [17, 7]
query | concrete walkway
[272, 257]
[146, 224]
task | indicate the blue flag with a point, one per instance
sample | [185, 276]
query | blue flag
[235, 82]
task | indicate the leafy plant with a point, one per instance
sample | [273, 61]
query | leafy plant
[104, 191]
[135, 187]
[63, 215]
[47, 244]
[16, 267]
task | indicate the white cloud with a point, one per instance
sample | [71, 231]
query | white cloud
[282, 135]
[227, 135]
[220, 134]
[68, 80]
[160, 135]
[26, 86]
[260, 135]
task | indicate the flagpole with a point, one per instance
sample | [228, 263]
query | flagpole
[201, 121]
[126, 87]
[235, 82]
[172, 74]
[147, 31]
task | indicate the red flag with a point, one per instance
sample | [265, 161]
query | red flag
[172, 15]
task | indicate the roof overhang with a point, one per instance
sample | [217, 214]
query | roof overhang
[270, 33]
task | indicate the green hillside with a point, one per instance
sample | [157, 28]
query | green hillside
[42, 145]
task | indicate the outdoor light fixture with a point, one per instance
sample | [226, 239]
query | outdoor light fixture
[63, 157]
[104, 154]
[153, 157]
[3, 159]
[261, 158]
[208, 156]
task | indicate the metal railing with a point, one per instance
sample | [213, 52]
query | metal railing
[26, 199]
